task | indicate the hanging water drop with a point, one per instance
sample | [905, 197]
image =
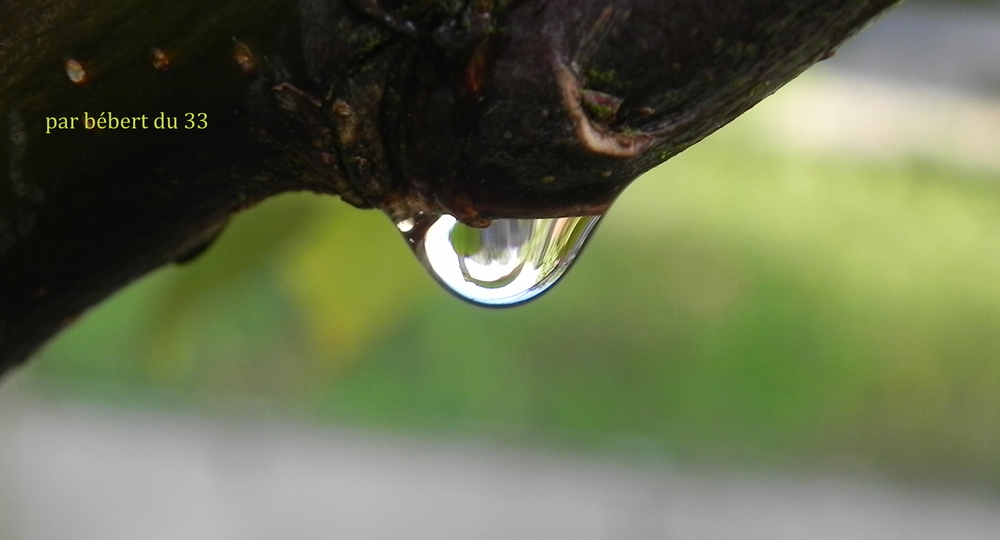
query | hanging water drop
[507, 263]
[76, 72]
[406, 225]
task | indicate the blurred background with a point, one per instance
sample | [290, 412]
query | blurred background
[792, 330]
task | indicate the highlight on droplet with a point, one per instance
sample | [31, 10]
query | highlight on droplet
[508, 263]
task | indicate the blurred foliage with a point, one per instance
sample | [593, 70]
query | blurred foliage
[740, 304]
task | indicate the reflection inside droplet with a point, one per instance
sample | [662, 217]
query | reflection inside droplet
[507, 263]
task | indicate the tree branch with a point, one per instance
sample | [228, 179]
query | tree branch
[482, 109]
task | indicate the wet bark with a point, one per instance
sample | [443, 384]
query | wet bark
[478, 108]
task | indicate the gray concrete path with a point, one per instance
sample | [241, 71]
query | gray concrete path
[72, 473]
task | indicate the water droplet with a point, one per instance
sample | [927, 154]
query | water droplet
[244, 58]
[161, 61]
[406, 225]
[76, 72]
[508, 263]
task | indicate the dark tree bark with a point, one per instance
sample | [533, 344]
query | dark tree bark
[478, 108]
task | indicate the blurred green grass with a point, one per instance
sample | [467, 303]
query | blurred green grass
[743, 304]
